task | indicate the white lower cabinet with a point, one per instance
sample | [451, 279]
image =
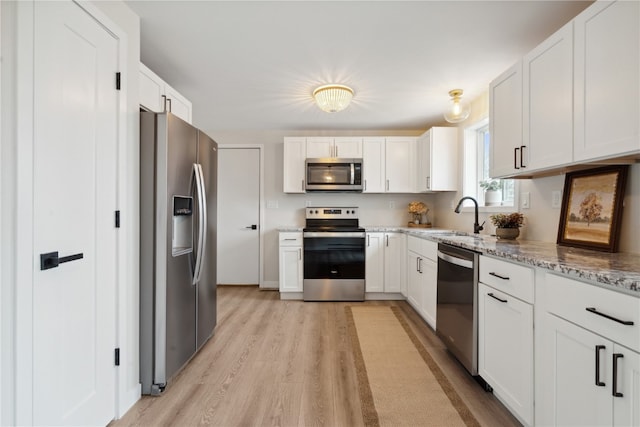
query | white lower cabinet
[422, 277]
[505, 349]
[587, 374]
[290, 262]
[385, 254]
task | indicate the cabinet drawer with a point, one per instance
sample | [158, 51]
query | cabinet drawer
[290, 239]
[570, 299]
[423, 247]
[414, 244]
[513, 279]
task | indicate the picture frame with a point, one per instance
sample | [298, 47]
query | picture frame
[592, 208]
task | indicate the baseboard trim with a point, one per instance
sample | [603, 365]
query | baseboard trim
[270, 284]
[382, 296]
[290, 295]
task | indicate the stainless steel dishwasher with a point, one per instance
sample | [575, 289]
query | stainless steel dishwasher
[457, 309]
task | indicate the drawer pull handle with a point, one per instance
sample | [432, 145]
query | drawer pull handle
[498, 276]
[614, 389]
[594, 311]
[495, 297]
[598, 382]
[291, 239]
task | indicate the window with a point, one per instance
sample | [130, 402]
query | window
[477, 151]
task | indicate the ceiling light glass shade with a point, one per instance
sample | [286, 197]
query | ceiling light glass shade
[458, 111]
[333, 98]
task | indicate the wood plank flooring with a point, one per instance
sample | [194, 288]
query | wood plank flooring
[286, 363]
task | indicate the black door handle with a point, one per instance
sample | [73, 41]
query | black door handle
[51, 259]
[252, 227]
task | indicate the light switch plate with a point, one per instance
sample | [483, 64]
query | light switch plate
[392, 205]
[525, 202]
[556, 199]
[272, 204]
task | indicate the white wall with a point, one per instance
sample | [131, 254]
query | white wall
[374, 208]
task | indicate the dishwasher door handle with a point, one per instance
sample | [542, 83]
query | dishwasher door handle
[455, 260]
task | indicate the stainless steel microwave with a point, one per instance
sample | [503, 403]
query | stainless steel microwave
[333, 174]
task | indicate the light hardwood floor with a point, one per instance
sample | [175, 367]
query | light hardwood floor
[286, 363]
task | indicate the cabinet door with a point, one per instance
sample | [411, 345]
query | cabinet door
[347, 148]
[374, 266]
[505, 349]
[505, 122]
[394, 266]
[319, 147]
[177, 104]
[293, 173]
[151, 90]
[429, 291]
[443, 159]
[414, 290]
[569, 394]
[607, 66]
[626, 408]
[291, 269]
[373, 165]
[548, 101]
[423, 156]
[400, 165]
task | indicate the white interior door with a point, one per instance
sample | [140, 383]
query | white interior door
[238, 213]
[74, 163]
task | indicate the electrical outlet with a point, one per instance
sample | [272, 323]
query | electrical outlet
[392, 205]
[272, 204]
[307, 203]
[556, 199]
[525, 202]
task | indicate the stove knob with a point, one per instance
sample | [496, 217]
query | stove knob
[316, 212]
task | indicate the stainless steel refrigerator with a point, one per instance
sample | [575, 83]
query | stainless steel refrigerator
[178, 184]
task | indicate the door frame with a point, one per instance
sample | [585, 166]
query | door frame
[261, 207]
[19, 339]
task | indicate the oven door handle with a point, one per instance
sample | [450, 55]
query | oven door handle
[455, 260]
[328, 234]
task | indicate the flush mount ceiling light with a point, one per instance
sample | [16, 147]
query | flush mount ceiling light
[333, 98]
[458, 112]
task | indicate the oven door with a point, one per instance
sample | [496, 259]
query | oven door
[334, 266]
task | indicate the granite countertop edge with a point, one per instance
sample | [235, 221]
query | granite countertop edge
[616, 271]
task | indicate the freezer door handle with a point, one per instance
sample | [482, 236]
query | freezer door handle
[201, 242]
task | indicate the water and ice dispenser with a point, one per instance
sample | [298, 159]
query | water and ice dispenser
[182, 238]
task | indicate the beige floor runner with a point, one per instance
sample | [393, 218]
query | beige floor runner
[399, 382]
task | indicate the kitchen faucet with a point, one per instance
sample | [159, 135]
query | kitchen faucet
[476, 227]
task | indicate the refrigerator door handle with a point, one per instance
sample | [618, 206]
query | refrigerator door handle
[203, 220]
[197, 250]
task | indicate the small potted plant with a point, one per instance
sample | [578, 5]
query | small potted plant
[417, 210]
[492, 192]
[507, 225]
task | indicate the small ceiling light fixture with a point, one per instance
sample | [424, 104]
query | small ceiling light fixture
[458, 112]
[333, 98]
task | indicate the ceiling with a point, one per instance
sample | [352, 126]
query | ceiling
[253, 65]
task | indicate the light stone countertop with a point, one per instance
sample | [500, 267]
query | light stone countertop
[619, 271]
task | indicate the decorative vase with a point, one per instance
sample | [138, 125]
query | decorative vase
[507, 233]
[492, 198]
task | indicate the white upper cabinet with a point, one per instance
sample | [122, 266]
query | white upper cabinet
[156, 95]
[293, 172]
[574, 99]
[505, 123]
[373, 165]
[400, 164]
[339, 147]
[607, 86]
[548, 102]
[437, 160]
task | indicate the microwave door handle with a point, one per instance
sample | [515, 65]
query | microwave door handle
[353, 174]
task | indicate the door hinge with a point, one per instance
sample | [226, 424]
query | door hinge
[118, 81]
[117, 219]
[117, 357]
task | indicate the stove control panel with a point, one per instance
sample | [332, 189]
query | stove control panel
[332, 213]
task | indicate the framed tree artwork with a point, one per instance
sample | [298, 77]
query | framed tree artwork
[592, 208]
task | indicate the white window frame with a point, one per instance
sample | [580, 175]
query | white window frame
[471, 165]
